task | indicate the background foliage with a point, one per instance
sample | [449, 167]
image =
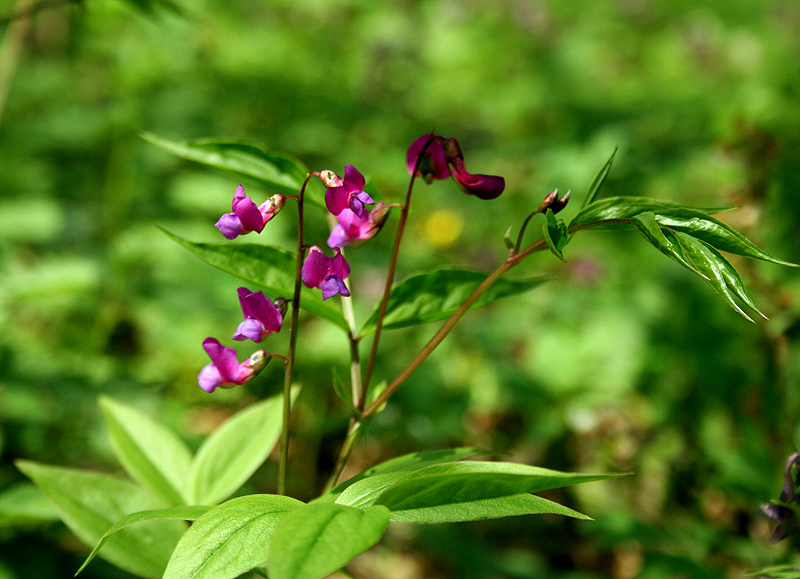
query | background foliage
[624, 362]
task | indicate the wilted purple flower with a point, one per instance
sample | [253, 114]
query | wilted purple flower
[784, 516]
[354, 230]
[442, 159]
[247, 216]
[326, 273]
[261, 316]
[349, 194]
[225, 370]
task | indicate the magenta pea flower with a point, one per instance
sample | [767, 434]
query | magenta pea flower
[225, 371]
[261, 316]
[349, 194]
[443, 159]
[326, 273]
[247, 216]
[354, 230]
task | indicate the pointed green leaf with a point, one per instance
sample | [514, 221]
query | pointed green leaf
[555, 234]
[151, 453]
[242, 160]
[271, 268]
[90, 503]
[344, 394]
[482, 509]
[235, 451]
[429, 297]
[365, 492]
[627, 207]
[230, 539]
[168, 514]
[316, 540]
[598, 181]
[460, 482]
[718, 272]
[25, 504]
[646, 224]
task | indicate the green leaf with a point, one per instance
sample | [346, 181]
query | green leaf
[242, 160]
[271, 268]
[151, 453]
[315, 540]
[555, 234]
[234, 452]
[229, 539]
[25, 504]
[627, 207]
[646, 224]
[90, 503]
[460, 482]
[717, 271]
[479, 510]
[169, 514]
[598, 181]
[777, 572]
[428, 297]
[365, 492]
[344, 394]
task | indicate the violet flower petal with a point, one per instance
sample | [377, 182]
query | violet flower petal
[433, 165]
[251, 329]
[482, 186]
[315, 267]
[333, 285]
[337, 199]
[230, 226]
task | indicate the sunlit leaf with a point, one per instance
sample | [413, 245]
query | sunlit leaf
[646, 224]
[230, 539]
[317, 539]
[25, 504]
[627, 207]
[555, 234]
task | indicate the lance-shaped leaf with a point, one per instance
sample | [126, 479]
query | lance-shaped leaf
[25, 504]
[555, 234]
[169, 514]
[268, 267]
[317, 539]
[151, 453]
[344, 394]
[242, 160]
[646, 224]
[230, 539]
[598, 181]
[466, 481]
[428, 297]
[717, 271]
[234, 451]
[626, 207]
[90, 503]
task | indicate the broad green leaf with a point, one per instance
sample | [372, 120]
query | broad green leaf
[90, 503]
[365, 492]
[646, 224]
[479, 510]
[151, 453]
[428, 297]
[460, 482]
[230, 539]
[717, 271]
[235, 450]
[168, 514]
[555, 234]
[25, 504]
[245, 161]
[411, 462]
[271, 268]
[598, 181]
[316, 540]
[714, 232]
[627, 207]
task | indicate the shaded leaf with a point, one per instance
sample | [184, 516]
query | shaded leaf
[555, 234]
[90, 503]
[344, 394]
[598, 180]
[271, 268]
[182, 513]
[151, 453]
[646, 224]
[428, 297]
[317, 539]
[230, 539]
[25, 504]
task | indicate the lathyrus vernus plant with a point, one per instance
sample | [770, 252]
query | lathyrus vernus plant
[141, 526]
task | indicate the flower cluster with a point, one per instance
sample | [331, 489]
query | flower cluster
[247, 216]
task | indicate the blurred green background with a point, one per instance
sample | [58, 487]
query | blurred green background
[625, 362]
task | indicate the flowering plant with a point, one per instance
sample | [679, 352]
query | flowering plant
[141, 527]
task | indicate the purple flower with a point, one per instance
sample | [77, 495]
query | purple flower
[349, 194]
[247, 216]
[443, 159]
[261, 316]
[225, 370]
[326, 273]
[354, 230]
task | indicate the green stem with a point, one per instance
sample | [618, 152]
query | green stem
[353, 432]
[289, 366]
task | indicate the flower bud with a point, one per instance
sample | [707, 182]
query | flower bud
[551, 201]
[329, 178]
